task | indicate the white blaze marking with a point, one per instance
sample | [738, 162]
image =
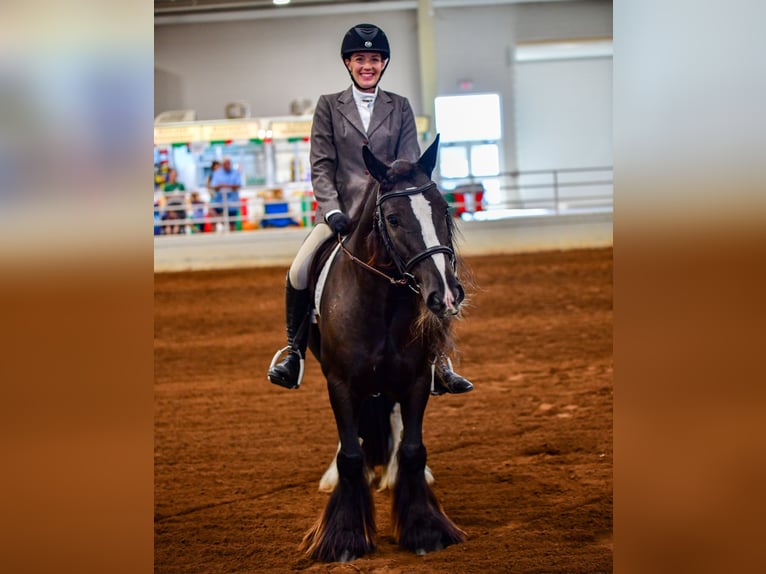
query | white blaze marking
[421, 207]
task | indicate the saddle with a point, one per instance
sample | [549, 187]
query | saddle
[320, 266]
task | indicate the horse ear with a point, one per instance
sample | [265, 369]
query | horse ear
[377, 168]
[427, 161]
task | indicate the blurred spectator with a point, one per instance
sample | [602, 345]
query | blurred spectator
[226, 182]
[198, 212]
[157, 217]
[216, 209]
[213, 166]
[172, 184]
[175, 206]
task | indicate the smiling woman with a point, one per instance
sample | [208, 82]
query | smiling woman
[365, 51]
[366, 68]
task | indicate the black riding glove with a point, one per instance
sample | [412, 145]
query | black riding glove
[339, 222]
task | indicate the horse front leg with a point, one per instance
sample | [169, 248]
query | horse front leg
[391, 470]
[420, 524]
[346, 529]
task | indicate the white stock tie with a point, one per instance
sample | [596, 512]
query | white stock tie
[366, 110]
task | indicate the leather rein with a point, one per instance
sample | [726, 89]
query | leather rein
[407, 278]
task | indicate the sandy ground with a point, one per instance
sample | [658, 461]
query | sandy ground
[523, 464]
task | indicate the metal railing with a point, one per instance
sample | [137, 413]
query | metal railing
[507, 195]
[552, 191]
[185, 218]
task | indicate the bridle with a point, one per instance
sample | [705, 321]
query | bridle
[404, 267]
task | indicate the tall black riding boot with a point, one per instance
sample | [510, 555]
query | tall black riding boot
[289, 372]
[448, 381]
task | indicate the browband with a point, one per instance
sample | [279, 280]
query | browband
[405, 192]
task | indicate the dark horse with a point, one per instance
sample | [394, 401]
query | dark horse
[385, 313]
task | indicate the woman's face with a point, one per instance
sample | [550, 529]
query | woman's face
[365, 68]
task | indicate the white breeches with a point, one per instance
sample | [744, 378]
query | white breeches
[299, 270]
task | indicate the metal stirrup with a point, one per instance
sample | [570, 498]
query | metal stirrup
[279, 354]
[433, 372]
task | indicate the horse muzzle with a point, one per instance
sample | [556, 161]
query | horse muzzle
[447, 303]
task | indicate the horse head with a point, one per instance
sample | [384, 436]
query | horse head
[414, 224]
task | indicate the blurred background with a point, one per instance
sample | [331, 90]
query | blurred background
[520, 93]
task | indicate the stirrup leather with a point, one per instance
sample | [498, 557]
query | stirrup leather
[279, 354]
[448, 361]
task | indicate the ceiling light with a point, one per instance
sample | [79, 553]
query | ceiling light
[280, 2]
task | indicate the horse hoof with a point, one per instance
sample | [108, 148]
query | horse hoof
[423, 551]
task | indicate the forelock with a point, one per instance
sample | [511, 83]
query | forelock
[402, 169]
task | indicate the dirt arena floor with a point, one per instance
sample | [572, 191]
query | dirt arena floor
[523, 464]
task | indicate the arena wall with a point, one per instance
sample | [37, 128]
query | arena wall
[276, 247]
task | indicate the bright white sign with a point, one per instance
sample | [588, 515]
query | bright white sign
[473, 117]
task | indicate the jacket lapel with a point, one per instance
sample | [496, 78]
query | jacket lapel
[347, 107]
[383, 108]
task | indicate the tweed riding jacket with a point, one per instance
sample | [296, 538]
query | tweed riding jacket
[338, 173]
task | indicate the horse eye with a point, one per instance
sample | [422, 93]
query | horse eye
[392, 220]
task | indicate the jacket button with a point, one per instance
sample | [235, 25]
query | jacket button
[365, 142]
[366, 172]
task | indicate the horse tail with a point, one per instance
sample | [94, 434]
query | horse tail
[375, 429]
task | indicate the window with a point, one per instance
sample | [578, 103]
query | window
[453, 161]
[470, 126]
[485, 160]
[473, 117]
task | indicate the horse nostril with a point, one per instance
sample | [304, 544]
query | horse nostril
[435, 303]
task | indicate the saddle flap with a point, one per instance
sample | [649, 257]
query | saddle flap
[320, 267]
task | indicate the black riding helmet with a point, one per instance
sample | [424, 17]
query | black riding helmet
[365, 38]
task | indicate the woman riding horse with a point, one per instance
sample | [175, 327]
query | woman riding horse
[343, 123]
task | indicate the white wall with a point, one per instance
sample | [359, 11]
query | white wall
[477, 45]
[269, 62]
[563, 111]
[562, 20]
[277, 247]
